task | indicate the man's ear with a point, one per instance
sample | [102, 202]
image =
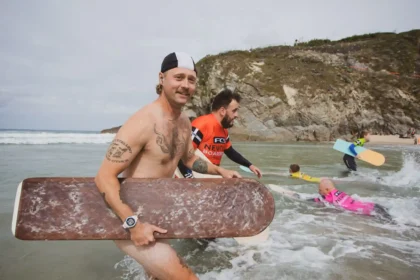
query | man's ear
[161, 76]
[222, 111]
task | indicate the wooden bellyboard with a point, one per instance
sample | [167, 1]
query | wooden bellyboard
[73, 208]
[366, 155]
[261, 237]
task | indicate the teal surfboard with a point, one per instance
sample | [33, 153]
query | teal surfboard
[246, 169]
[343, 146]
[364, 154]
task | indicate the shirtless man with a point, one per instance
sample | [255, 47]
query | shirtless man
[149, 145]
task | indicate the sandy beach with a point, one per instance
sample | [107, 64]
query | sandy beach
[393, 139]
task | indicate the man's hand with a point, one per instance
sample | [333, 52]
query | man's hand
[256, 170]
[142, 234]
[358, 156]
[228, 173]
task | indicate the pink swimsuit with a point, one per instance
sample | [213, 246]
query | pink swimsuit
[343, 200]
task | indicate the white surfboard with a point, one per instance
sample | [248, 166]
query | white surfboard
[256, 239]
[284, 192]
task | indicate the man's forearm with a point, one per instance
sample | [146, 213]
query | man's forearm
[201, 166]
[110, 190]
[234, 156]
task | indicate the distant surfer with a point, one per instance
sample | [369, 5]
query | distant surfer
[149, 145]
[349, 161]
[294, 171]
[329, 194]
[210, 135]
[411, 132]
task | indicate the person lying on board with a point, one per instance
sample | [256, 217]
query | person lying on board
[329, 194]
[294, 171]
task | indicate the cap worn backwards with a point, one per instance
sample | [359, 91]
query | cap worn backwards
[177, 59]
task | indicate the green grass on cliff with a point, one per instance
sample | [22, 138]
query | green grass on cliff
[381, 51]
[378, 51]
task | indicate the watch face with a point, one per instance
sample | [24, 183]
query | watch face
[131, 222]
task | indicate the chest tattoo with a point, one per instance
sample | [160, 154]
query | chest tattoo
[173, 143]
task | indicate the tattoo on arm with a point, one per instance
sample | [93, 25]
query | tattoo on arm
[116, 151]
[200, 166]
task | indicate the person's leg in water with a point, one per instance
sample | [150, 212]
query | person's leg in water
[382, 212]
[158, 260]
[350, 162]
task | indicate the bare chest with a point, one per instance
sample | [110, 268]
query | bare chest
[169, 142]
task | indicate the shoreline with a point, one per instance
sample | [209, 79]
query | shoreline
[393, 140]
[375, 140]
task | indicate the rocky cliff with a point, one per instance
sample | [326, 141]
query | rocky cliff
[111, 130]
[319, 90]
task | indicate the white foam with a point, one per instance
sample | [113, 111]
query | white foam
[131, 269]
[299, 245]
[407, 177]
[308, 241]
[404, 210]
[44, 138]
[344, 248]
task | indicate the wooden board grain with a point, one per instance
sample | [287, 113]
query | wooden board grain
[73, 209]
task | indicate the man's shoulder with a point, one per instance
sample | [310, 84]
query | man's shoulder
[184, 119]
[142, 118]
[202, 121]
[202, 117]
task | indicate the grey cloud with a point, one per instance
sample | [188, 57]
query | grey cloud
[93, 64]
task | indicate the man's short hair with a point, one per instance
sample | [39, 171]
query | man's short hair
[224, 98]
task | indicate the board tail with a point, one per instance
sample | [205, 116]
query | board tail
[256, 239]
[16, 208]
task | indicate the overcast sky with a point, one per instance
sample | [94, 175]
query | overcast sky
[88, 65]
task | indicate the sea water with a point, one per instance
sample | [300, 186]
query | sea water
[307, 241]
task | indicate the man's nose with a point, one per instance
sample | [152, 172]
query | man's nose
[185, 83]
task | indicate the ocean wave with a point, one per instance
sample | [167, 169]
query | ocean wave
[45, 138]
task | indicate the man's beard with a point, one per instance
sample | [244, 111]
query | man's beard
[226, 122]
